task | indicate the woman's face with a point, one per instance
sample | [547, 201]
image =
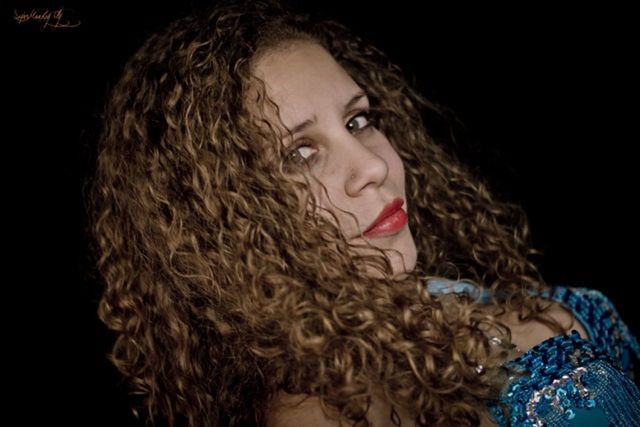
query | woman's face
[362, 172]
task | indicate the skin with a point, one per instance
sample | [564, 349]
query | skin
[362, 173]
[359, 167]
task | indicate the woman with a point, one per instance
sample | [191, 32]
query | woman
[278, 234]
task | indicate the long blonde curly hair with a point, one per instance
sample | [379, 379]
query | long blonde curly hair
[221, 293]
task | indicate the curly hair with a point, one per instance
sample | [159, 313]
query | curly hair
[220, 294]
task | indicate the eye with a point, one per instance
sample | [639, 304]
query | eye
[363, 122]
[357, 123]
[296, 153]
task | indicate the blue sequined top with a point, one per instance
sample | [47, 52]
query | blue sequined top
[567, 380]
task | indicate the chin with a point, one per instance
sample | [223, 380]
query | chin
[399, 267]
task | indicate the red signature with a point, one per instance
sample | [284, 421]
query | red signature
[47, 18]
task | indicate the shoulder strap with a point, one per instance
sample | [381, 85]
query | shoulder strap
[590, 307]
[602, 322]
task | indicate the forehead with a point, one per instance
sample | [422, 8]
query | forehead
[303, 79]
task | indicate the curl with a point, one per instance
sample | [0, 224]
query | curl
[219, 296]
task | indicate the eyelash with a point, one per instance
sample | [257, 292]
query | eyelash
[370, 123]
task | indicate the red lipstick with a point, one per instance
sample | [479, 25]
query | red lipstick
[391, 220]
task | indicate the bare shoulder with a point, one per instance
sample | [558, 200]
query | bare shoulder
[567, 319]
[530, 333]
[294, 410]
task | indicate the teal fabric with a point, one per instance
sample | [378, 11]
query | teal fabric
[568, 381]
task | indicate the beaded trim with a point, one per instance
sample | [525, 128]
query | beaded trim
[556, 381]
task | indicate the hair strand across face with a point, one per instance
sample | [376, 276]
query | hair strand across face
[219, 296]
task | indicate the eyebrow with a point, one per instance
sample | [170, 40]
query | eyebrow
[301, 126]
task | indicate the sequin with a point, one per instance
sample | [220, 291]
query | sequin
[567, 373]
[570, 380]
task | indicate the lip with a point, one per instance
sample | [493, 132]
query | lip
[391, 220]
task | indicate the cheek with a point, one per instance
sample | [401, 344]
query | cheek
[306, 199]
[400, 167]
[394, 161]
[323, 207]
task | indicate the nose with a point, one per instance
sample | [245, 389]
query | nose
[363, 166]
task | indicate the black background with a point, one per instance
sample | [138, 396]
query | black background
[547, 95]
